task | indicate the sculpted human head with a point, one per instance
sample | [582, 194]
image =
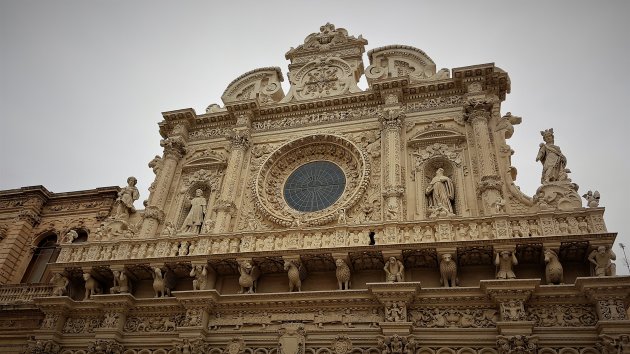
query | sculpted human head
[601, 249]
[505, 254]
[131, 181]
[439, 172]
[199, 193]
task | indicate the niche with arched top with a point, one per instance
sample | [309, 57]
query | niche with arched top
[46, 252]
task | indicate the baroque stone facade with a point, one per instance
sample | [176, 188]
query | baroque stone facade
[329, 219]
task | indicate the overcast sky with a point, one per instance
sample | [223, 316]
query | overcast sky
[83, 83]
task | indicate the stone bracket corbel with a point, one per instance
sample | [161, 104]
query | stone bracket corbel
[198, 305]
[511, 296]
[115, 308]
[395, 297]
[609, 294]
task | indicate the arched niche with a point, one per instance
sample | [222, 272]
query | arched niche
[46, 250]
[434, 147]
[206, 180]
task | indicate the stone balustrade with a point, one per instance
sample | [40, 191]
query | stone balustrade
[23, 293]
[497, 227]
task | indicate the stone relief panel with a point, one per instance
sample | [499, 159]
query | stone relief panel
[454, 317]
[322, 77]
[316, 118]
[563, 315]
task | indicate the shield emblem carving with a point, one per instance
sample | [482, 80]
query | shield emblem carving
[292, 339]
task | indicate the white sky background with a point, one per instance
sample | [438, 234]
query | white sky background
[83, 83]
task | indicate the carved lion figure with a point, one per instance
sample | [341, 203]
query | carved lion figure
[293, 271]
[343, 274]
[553, 269]
[91, 286]
[248, 277]
[448, 271]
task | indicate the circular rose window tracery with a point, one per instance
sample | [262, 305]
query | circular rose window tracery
[322, 161]
[314, 186]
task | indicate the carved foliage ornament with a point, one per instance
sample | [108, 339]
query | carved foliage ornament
[517, 344]
[268, 188]
[322, 77]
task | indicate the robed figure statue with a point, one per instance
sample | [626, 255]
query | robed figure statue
[441, 192]
[553, 161]
[195, 218]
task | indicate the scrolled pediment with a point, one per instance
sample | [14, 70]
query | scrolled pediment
[262, 84]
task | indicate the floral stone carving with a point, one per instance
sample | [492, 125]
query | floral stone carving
[517, 344]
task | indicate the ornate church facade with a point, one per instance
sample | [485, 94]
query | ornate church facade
[325, 220]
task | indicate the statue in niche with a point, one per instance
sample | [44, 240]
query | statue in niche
[441, 192]
[394, 270]
[602, 258]
[505, 262]
[553, 161]
[126, 197]
[194, 220]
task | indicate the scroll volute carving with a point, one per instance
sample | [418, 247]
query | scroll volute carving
[397, 61]
[262, 84]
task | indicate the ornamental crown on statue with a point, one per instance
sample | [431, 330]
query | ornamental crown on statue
[399, 192]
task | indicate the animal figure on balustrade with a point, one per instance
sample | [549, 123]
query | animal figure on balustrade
[553, 270]
[448, 271]
[248, 279]
[92, 287]
[161, 283]
[294, 271]
[343, 274]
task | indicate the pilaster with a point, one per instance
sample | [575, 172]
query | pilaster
[511, 296]
[395, 298]
[392, 117]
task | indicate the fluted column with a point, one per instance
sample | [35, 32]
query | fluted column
[478, 114]
[391, 119]
[174, 150]
[226, 207]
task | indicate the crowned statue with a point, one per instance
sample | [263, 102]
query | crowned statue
[553, 161]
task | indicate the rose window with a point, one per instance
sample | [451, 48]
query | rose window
[314, 186]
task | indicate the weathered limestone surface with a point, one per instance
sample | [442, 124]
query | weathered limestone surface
[324, 220]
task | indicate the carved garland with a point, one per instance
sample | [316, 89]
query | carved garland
[268, 189]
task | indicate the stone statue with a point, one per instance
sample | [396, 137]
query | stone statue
[553, 269]
[248, 277]
[199, 274]
[342, 218]
[70, 237]
[343, 274]
[126, 197]
[592, 199]
[160, 285]
[553, 161]
[441, 192]
[448, 271]
[602, 258]
[505, 261]
[121, 283]
[194, 220]
[60, 284]
[156, 164]
[293, 271]
[394, 270]
[91, 286]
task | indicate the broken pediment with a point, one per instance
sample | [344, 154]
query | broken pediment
[262, 84]
[402, 61]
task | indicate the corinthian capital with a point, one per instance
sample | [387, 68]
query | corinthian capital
[29, 216]
[391, 118]
[239, 139]
[478, 115]
[174, 146]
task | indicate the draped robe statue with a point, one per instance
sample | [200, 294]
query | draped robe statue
[195, 218]
[441, 192]
[553, 161]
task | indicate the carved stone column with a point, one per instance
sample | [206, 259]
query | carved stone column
[395, 297]
[174, 150]
[391, 118]
[608, 295]
[511, 296]
[226, 207]
[114, 308]
[18, 236]
[478, 115]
